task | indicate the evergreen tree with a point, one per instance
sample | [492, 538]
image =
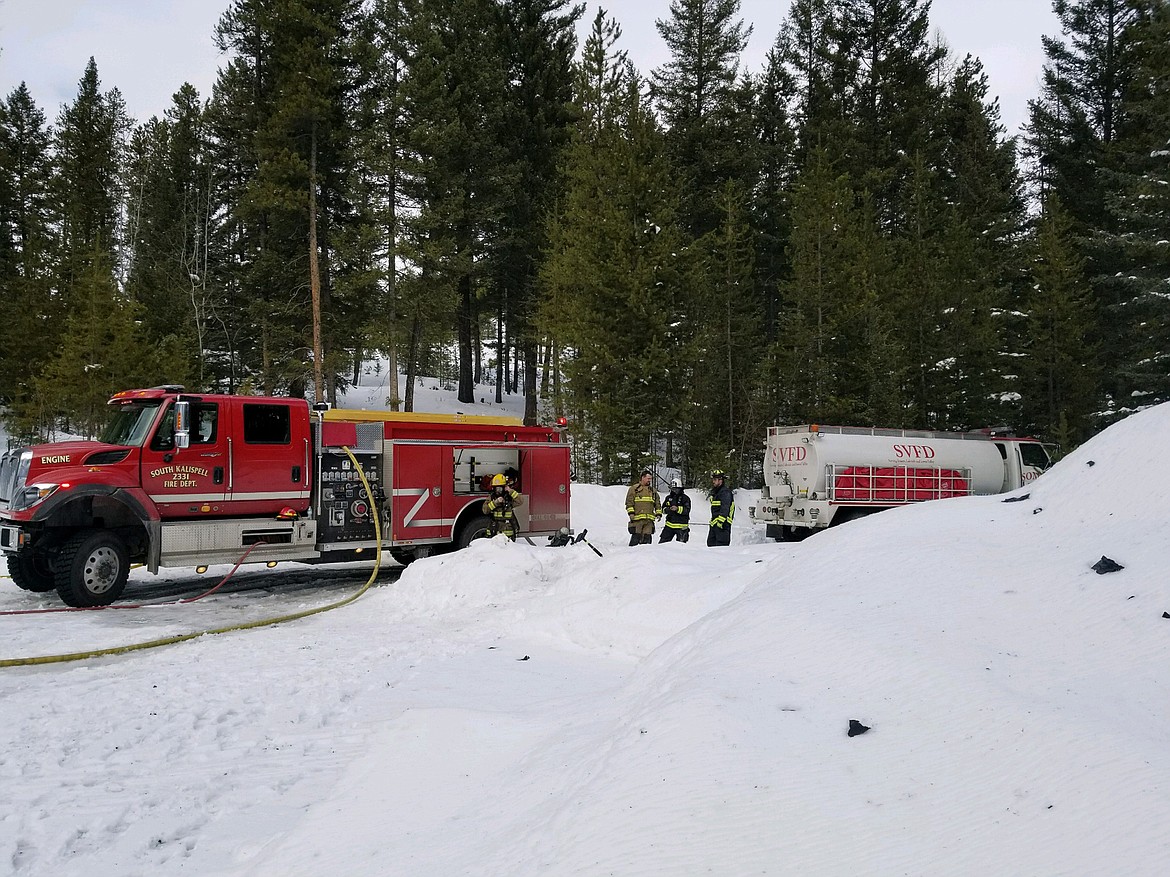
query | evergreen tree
[103, 350]
[728, 415]
[776, 148]
[538, 44]
[236, 347]
[168, 216]
[88, 188]
[380, 135]
[1138, 204]
[1058, 374]
[889, 98]
[1078, 112]
[695, 92]
[454, 94]
[294, 71]
[805, 48]
[616, 279]
[957, 264]
[27, 250]
[810, 353]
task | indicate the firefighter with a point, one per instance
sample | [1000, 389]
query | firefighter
[644, 509]
[500, 507]
[722, 510]
[677, 506]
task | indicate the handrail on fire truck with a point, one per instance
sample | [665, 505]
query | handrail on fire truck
[368, 416]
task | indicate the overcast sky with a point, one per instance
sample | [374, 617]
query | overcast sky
[148, 48]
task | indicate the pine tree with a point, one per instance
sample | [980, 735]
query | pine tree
[538, 45]
[810, 354]
[728, 415]
[27, 247]
[1058, 374]
[1138, 204]
[454, 91]
[88, 188]
[380, 145]
[103, 350]
[889, 98]
[168, 216]
[776, 147]
[291, 81]
[695, 93]
[1078, 112]
[616, 281]
[806, 50]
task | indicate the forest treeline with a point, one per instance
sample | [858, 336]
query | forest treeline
[675, 257]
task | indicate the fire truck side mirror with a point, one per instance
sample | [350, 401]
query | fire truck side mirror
[182, 425]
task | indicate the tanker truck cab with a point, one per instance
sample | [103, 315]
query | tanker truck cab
[817, 476]
[1025, 460]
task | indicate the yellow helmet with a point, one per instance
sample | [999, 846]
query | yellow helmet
[499, 480]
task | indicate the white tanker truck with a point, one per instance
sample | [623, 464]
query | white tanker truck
[817, 476]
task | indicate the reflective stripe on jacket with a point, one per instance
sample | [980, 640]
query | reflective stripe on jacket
[642, 503]
[678, 510]
[503, 518]
[722, 506]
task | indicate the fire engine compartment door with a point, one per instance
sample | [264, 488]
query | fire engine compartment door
[421, 487]
[545, 469]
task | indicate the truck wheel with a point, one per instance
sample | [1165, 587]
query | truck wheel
[476, 528]
[31, 571]
[403, 557]
[92, 570]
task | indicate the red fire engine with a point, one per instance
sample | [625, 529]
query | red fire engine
[180, 480]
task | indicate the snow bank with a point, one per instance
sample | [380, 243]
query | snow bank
[661, 710]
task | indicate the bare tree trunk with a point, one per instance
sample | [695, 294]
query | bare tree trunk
[315, 273]
[530, 383]
[501, 352]
[546, 368]
[466, 379]
[412, 360]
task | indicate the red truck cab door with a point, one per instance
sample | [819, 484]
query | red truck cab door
[269, 452]
[191, 481]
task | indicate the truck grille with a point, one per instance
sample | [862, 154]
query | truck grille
[10, 475]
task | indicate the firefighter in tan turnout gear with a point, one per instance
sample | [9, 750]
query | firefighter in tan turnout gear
[500, 505]
[644, 509]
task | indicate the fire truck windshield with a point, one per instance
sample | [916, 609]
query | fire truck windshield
[130, 423]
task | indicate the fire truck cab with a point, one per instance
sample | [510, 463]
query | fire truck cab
[179, 479]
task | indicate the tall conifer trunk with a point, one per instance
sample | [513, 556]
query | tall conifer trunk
[315, 271]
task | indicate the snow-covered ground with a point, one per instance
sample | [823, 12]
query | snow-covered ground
[668, 710]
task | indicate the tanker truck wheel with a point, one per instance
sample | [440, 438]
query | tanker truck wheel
[92, 569]
[31, 571]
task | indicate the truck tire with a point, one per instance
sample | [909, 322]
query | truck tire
[31, 571]
[92, 569]
[403, 557]
[477, 528]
